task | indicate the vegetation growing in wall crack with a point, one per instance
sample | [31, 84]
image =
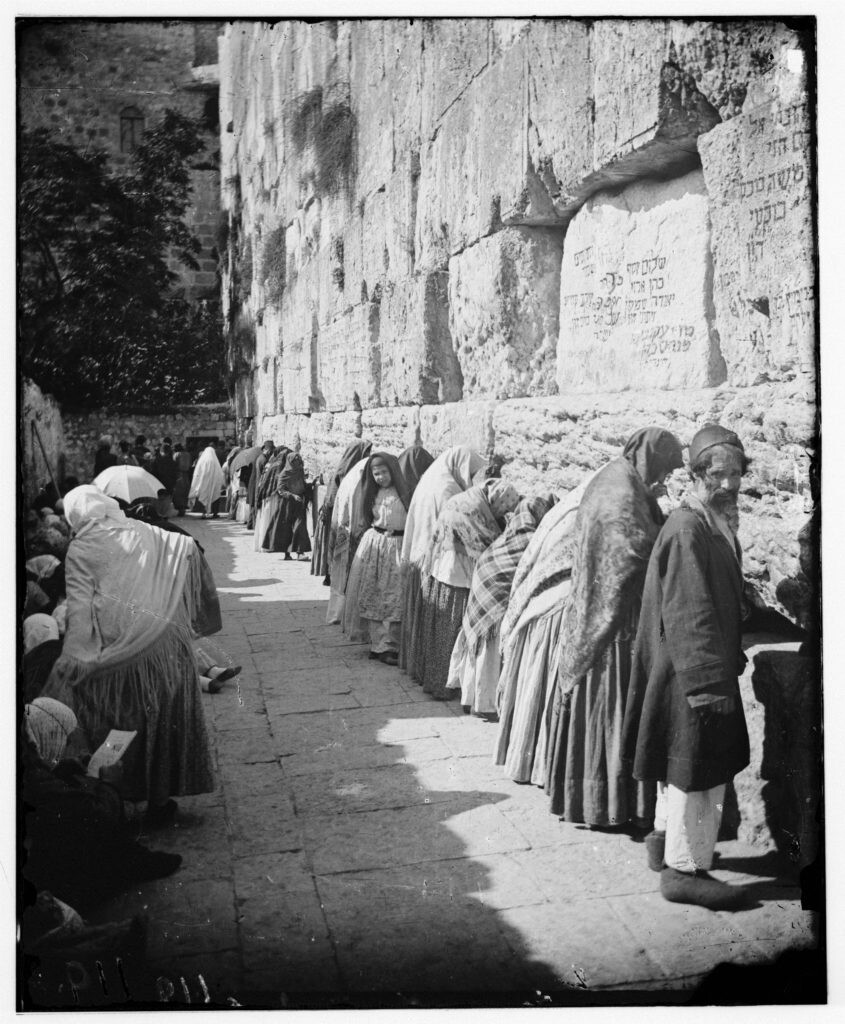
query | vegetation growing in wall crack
[337, 261]
[245, 272]
[306, 114]
[274, 261]
[330, 131]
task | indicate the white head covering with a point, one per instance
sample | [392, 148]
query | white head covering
[38, 629]
[42, 566]
[208, 480]
[87, 504]
[48, 724]
[449, 474]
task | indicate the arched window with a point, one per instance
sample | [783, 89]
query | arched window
[131, 127]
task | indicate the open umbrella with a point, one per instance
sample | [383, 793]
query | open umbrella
[244, 458]
[129, 483]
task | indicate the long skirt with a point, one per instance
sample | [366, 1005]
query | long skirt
[374, 589]
[586, 781]
[181, 490]
[283, 525]
[443, 610]
[531, 662]
[476, 673]
[320, 558]
[171, 755]
[409, 644]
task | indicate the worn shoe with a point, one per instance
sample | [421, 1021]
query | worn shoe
[655, 846]
[161, 816]
[147, 864]
[389, 658]
[700, 890]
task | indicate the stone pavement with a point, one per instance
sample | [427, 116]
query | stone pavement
[362, 849]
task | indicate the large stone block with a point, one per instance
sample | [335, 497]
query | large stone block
[758, 173]
[418, 363]
[348, 356]
[504, 295]
[299, 333]
[635, 305]
[391, 429]
[454, 52]
[442, 426]
[371, 100]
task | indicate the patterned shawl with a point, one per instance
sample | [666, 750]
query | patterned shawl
[495, 569]
[615, 529]
[449, 474]
[48, 723]
[466, 527]
[413, 462]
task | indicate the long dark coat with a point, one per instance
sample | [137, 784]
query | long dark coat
[688, 652]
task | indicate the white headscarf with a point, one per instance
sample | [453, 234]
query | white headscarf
[125, 581]
[346, 512]
[38, 629]
[208, 480]
[449, 474]
[48, 724]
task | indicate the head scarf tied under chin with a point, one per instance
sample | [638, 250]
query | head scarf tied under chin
[653, 452]
[48, 724]
[370, 489]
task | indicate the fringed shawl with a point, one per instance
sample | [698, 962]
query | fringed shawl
[547, 561]
[495, 569]
[132, 590]
[466, 527]
[413, 462]
[449, 474]
[615, 529]
[207, 481]
[346, 512]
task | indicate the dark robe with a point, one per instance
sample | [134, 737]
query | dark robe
[104, 458]
[688, 645]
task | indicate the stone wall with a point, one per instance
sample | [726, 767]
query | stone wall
[530, 235]
[77, 77]
[82, 431]
[42, 411]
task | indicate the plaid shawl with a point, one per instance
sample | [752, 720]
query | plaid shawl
[494, 571]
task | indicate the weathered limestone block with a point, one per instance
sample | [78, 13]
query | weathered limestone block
[472, 173]
[320, 437]
[44, 411]
[757, 169]
[504, 294]
[442, 426]
[299, 334]
[348, 356]
[391, 429]
[455, 52]
[370, 88]
[787, 685]
[418, 363]
[635, 291]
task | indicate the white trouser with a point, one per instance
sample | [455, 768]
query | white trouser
[691, 823]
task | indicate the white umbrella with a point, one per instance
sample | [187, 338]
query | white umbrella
[129, 483]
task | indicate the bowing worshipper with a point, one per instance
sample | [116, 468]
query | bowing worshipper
[529, 636]
[182, 484]
[41, 647]
[373, 608]
[476, 662]
[322, 556]
[615, 529]
[230, 480]
[345, 514]
[467, 525]
[449, 474]
[267, 452]
[78, 842]
[207, 483]
[137, 596]
[268, 500]
[413, 462]
[685, 724]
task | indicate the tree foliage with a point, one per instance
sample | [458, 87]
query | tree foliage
[101, 320]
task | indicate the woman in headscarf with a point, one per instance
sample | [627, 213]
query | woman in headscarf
[467, 525]
[373, 608]
[207, 483]
[182, 484]
[267, 499]
[449, 474]
[322, 556]
[413, 462]
[42, 646]
[345, 514]
[79, 845]
[476, 662]
[137, 596]
[615, 529]
[282, 498]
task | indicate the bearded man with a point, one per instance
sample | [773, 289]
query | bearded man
[684, 724]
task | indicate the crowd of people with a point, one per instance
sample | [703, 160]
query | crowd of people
[601, 638]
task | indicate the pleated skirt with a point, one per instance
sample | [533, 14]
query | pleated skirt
[409, 644]
[442, 613]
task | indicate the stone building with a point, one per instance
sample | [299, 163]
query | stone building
[100, 83]
[532, 236]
